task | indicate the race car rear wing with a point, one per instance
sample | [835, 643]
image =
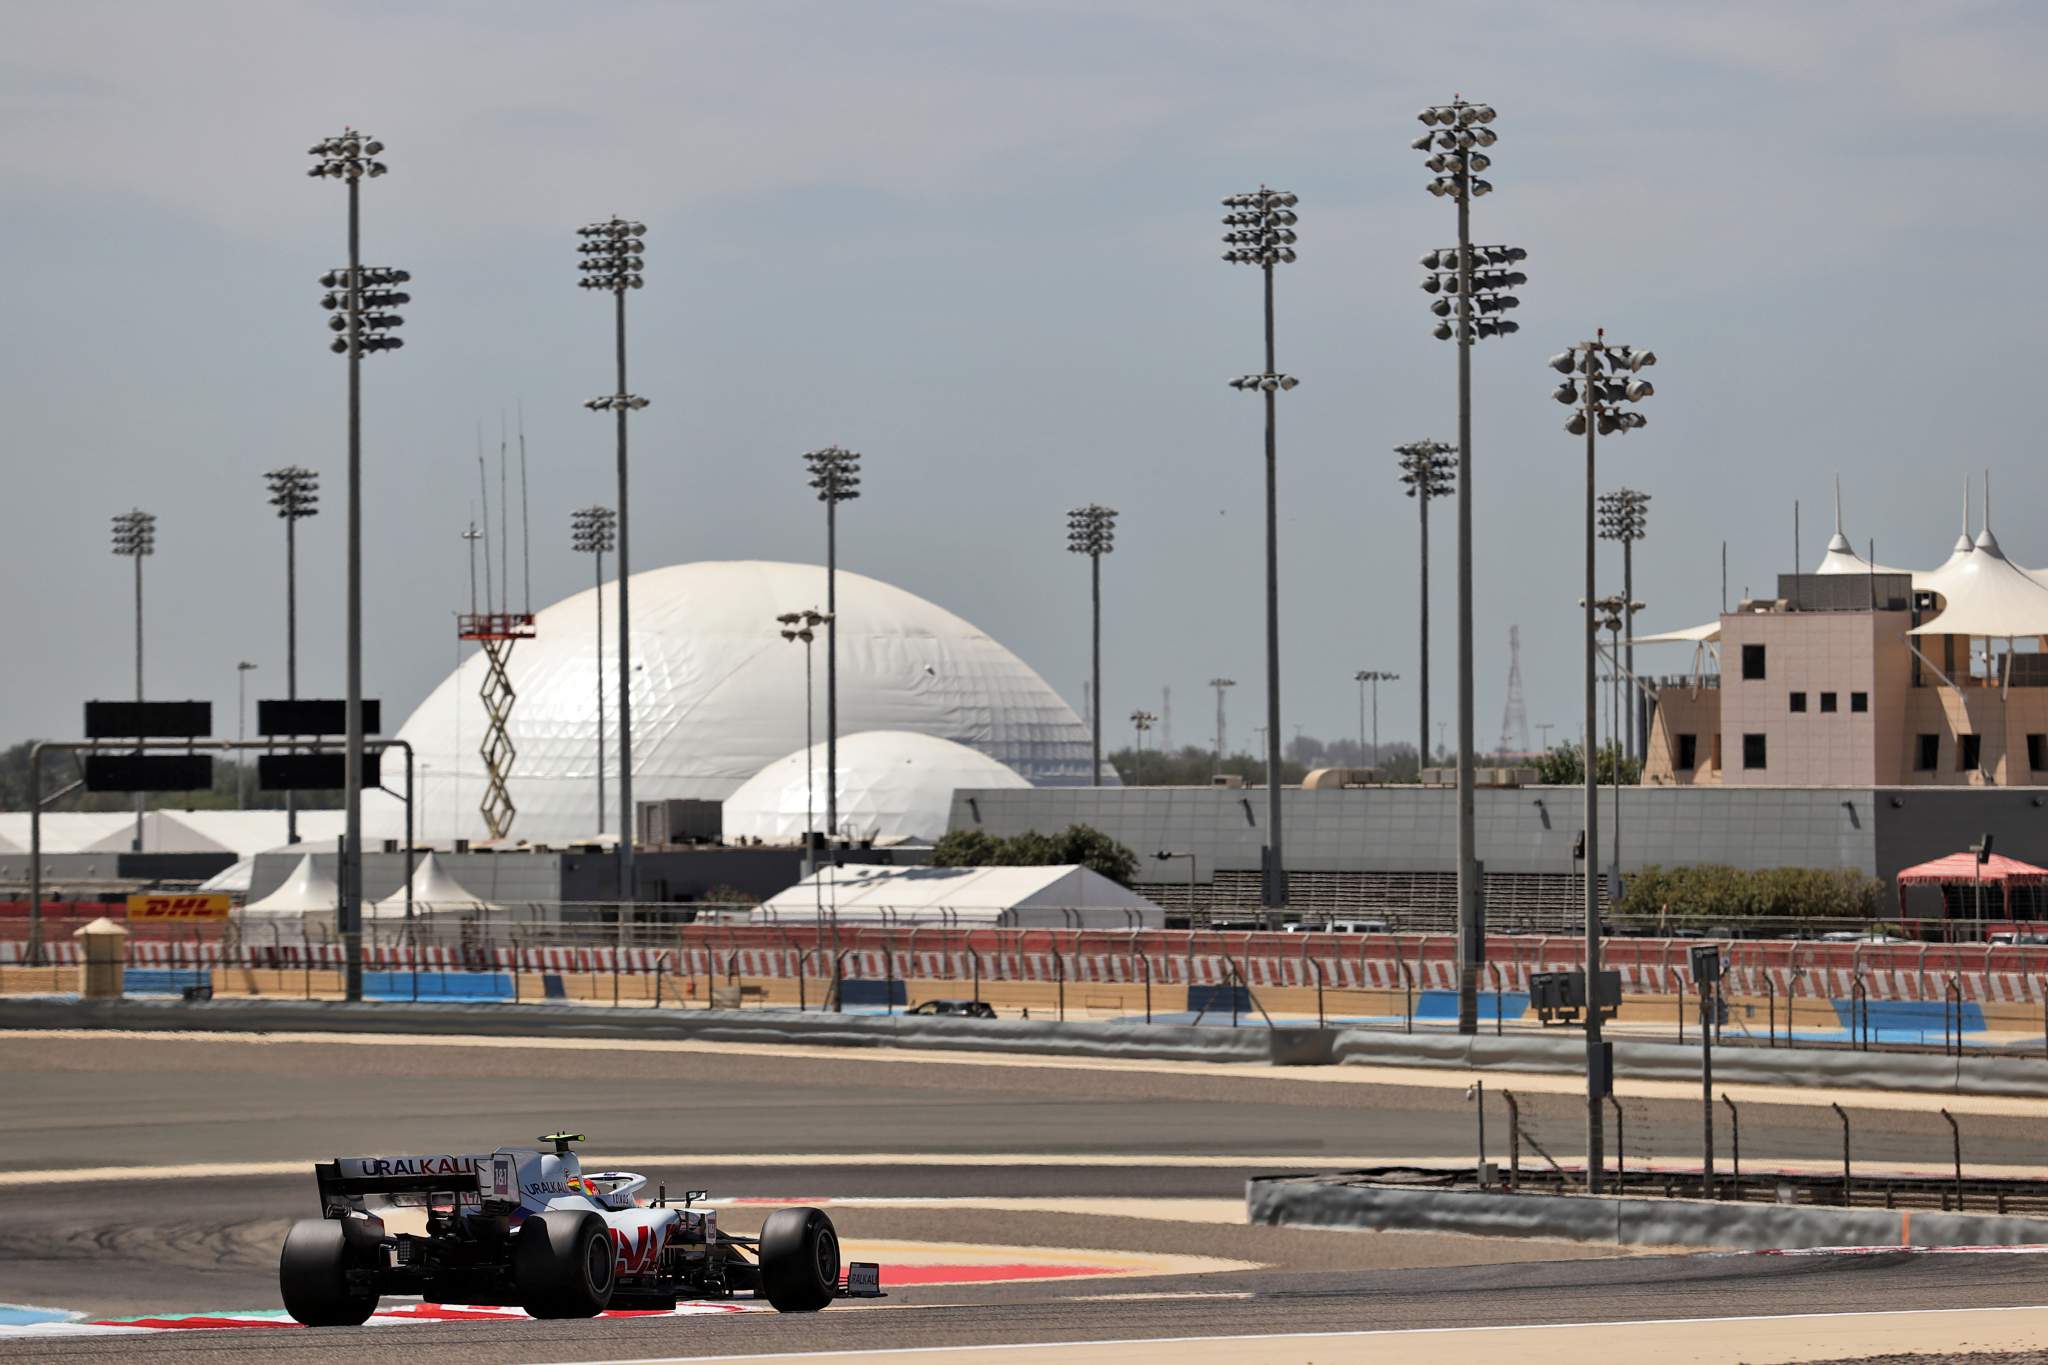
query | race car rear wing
[349, 1179]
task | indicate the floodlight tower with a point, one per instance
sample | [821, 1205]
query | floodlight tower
[835, 474]
[1458, 133]
[1624, 516]
[1430, 469]
[295, 493]
[612, 261]
[1262, 234]
[1221, 685]
[1141, 721]
[1597, 395]
[802, 626]
[361, 300]
[593, 532]
[1091, 531]
[1375, 677]
[135, 538]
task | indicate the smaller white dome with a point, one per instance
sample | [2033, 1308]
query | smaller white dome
[894, 786]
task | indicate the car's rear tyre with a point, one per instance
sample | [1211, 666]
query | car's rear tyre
[799, 1260]
[313, 1271]
[563, 1264]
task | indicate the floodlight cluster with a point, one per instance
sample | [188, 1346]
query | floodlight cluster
[350, 157]
[294, 492]
[1458, 131]
[1624, 515]
[1599, 378]
[135, 534]
[374, 297]
[802, 625]
[1091, 530]
[835, 473]
[611, 253]
[1493, 273]
[1261, 227]
[593, 530]
[1429, 468]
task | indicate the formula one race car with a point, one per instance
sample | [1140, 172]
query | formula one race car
[528, 1227]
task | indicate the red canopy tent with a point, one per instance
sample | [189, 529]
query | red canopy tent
[1963, 869]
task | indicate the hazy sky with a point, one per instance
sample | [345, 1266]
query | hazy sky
[978, 243]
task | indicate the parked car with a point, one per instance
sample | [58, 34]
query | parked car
[968, 1009]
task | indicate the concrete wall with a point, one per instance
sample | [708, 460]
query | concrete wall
[1413, 829]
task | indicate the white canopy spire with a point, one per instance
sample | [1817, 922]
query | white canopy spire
[1986, 542]
[1839, 543]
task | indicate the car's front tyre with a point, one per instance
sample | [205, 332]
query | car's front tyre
[312, 1273]
[799, 1260]
[563, 1264]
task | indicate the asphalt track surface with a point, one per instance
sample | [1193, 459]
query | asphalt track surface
[128, 1245]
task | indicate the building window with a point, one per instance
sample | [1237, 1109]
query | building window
[1859, 702]
[1689, 752]
[1753, 751]
[1969, 749]
[1752, 663]
[1799, 701]
[1827, 703]
[2037, 752]
[1930, 754]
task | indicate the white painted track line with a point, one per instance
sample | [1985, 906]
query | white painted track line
[1781, 1340]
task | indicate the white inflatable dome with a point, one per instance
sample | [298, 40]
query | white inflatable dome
[718, 695]
[895, 786]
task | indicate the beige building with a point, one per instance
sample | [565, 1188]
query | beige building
[1860, 675]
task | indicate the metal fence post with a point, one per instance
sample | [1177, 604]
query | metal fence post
[1059, 972]
[1494, 969]
[1620, 1147]
[1408, 989]
[1952, 996]
[1956, 1139]
[1514, 1140]
[1146, 958]
[1859, 1016]
[1771, 1000]
[1848, 1189]
[1734, 1141]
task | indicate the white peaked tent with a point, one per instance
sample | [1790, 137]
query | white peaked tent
[1057, 897]
[434, 892]
[233, 879]
[308, 898]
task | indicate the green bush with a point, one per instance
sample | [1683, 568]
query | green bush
[1089, 847]
[1713, 891]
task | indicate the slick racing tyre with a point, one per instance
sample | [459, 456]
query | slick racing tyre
[563, 1264]
[313, 1274]
[799, 1260]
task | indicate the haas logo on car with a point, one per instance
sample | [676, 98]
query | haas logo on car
[640, 1247]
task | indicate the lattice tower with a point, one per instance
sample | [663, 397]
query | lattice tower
[1514, 722]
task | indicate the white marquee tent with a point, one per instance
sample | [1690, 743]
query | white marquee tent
[1057, 897]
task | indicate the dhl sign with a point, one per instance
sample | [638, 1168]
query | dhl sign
[207, 905]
